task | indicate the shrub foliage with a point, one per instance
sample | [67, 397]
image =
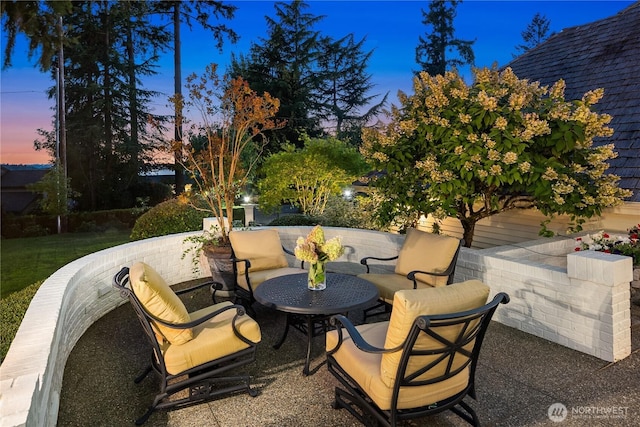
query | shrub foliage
[172, 216]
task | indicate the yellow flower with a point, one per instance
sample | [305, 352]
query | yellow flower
[550, 174]
[464, 118]
[524, 167]
[315, 249]
[510, 158]
[489, 103]
[494, 155]
[501, 123]
[495, 170]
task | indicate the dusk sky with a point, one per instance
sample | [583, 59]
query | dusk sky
[391, 28]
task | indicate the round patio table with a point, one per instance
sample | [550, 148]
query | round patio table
[307, 309]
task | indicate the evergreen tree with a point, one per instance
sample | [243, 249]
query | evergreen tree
[536, 32]
[433, 50]
[283, 64]
[344, 88]
[107, 142]
[321, 83]
[37, 20]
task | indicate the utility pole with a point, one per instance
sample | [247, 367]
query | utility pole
[177, 60]
[62, 123]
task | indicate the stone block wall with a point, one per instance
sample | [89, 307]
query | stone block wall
[584, 306]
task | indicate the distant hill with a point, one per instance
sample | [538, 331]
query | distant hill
[25, 167]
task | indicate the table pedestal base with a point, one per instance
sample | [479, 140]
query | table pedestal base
[311, 325]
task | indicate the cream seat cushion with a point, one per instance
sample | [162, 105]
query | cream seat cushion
[364, 368]
[388, 284]
[159, 300]
[262, 247]
[211, 339]
[375, 373]
[426, 252]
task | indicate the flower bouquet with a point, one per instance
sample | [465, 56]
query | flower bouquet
[317, 252]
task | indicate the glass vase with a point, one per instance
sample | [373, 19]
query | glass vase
[317, 276]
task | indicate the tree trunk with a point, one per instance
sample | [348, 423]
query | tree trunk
[62, 123]
[469, 227]
[134, 144]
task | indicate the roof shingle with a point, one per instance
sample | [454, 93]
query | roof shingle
[603, 54]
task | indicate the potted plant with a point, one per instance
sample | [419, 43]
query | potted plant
[219, 152]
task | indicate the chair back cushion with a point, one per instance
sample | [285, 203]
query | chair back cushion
[159, 300]
[262, 247]
[409, 304]
[426, 252]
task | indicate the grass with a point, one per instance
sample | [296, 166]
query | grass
[29, 260]
[12, 310]
[26, 263]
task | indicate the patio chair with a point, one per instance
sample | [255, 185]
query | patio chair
[258, 255]
[425, 260]
[191, 351]
[420, 362]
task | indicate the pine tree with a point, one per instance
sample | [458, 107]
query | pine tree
[344, 88]
[107, 142]
[37, 20]
[536, 32]
[320, 82]
[282, 64]
[432, 52]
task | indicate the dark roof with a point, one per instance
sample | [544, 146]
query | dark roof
[19, 177]
[15, 197]
[605, 54]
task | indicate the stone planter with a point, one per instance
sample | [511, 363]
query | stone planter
[221, 266]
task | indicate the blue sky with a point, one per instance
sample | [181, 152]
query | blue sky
[391, 28]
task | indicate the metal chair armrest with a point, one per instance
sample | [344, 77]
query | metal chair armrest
[240, 312]
[293, 254]
[364, 261]
[195, 287]
[340, 321]
[288, 251]
[412, 276]
[247, 262]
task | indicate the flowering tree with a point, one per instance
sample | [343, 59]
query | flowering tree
[502, 143]
[220, 152]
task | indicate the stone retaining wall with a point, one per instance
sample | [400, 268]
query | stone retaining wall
[586, 308]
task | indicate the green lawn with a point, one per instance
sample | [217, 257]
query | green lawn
[26, 263]
[29, 260]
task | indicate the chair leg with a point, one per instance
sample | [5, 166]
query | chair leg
[357, 407]
[199, 392]
[143, 374]
[470, 415]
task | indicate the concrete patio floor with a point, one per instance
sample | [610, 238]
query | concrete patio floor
[519, 377]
